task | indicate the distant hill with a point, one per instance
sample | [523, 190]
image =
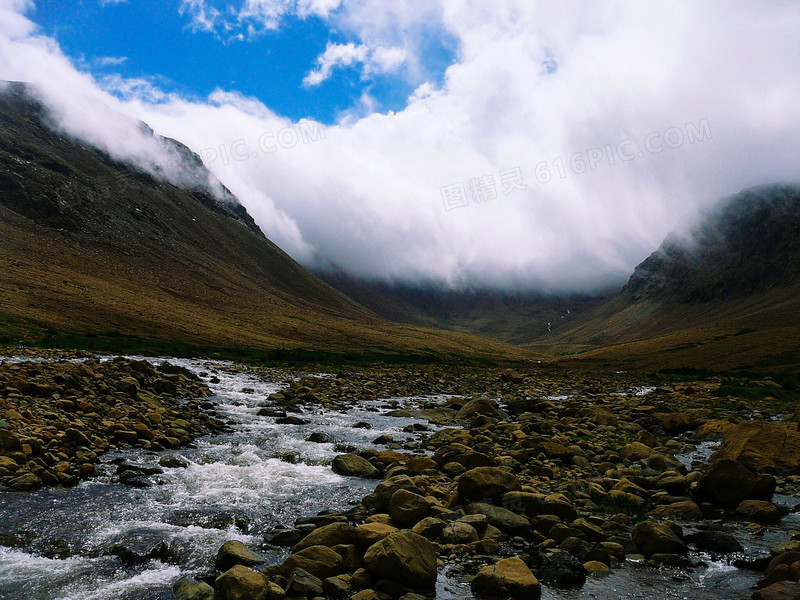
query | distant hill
[91, 246]
[724, 295]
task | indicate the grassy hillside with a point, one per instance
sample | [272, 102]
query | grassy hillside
[95, 249]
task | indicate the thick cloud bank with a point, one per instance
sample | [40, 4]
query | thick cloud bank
[563, 145]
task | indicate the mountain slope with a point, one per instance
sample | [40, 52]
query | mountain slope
[727, 295]
[88, 244]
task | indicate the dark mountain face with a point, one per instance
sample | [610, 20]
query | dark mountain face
[749, 243]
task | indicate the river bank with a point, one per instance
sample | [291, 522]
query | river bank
[567, 478]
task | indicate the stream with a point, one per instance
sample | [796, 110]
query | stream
[63, 544]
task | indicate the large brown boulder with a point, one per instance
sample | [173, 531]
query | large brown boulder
[480, 406]
[242, 583]
[509, 577]
[487, 482]
[783, 590]
[319, 561]
[351, 465]
[236, 553]
[657, 538]
[727, 482]
[329, 535]
[407, 508]
[763, 446]
[404, 557]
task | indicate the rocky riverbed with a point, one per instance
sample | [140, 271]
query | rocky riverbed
[539, 484]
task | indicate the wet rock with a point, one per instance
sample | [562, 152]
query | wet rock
[337, 587]
[727, 482]
[507, 577]
[763, 446]
[140, 546]
[480, 406]
[759, 511]
[784, 590]
[505, 520]
[596, 568]
[656, 538]
[330, 535]
[291, 421]
[304, 584]
[173, 461]
[371, 533]
[487, 482]
[534, 505]
[25, 482]
[187, 588]
[242, 583]
[404, 557]
[320, 561]
[459, 533]
[351, 465]
[407, 508]
[362, 425]
[718, 542]
[234, 553]
[429, 527]
[319, 437]
[686, 509]
[562, 569]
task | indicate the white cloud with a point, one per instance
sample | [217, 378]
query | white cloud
[111, 2]
[367, 196]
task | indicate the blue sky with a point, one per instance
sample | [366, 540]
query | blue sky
[160, 41]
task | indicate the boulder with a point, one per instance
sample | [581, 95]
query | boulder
[562, 569]
[718, 542]
[759, 511]
[187, 588]
[656, 538]
[329, 535]
[502, 518]
[508, 577]
[429, 527]
[459, 533]
[480, 406]
[763, 445]
[304, 584]
[236, 553]
[727, 482]
[685, 509]
[487, 482]
[535, 505]
[407, 508]
[242, 583]
[351, 465]
[371, 533]
[319, 561]
[404, 557]
[783, 590]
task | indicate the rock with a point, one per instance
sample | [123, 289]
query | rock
[429, 527]
[480, 406]
[407, 508]
[329, 535]
[371, 533]
[234, 553]
[507, 577]
[656, 538]
[686, 509]
[763, 446]
[759, 511]
[727, 482]
[679, 422]
[319, 437]
[595, 567]
[404, 557]
[140, 545]
[459, 533]
[25, 482]
[304, 584]
[337, 587]
[487, 482]
[187, 588]
[718, 542]
[535, 505]
[502, 518]
[242, 583]
[351, 465]
[636, 451]
[783, 590]
[562, 569]
[319, 561]
[173, 462]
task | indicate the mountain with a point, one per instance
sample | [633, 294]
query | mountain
[90, 246]
[725, 295]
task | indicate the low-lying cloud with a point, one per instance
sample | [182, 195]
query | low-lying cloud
[586, 103]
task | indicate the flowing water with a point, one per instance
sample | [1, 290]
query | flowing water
[62, 543]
